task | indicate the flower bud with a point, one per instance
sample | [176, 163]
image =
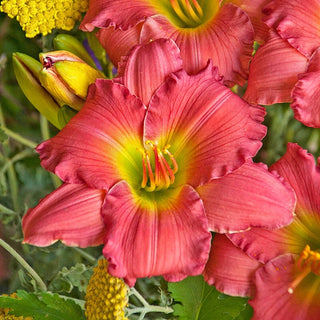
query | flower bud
[73, 45]
[67, 77]
[27, 70]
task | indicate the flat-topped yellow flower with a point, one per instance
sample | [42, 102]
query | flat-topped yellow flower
[106, 296]
[36, 16]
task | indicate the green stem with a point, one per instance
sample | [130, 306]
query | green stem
[146, 306]
[13, 182]
[6, 210]
[148, 309]
[45, 133]
[24, 264]
[85, 255]
[19, 156]
[19, 138]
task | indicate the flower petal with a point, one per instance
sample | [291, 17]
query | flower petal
[71, 213]
[250, 196]
[147, 66]
[273, 72]
[297, 22]
[298, 168]
[253, 8]
[210, 129]
[272, 299]
[98, 145]
[121, 14]
[264, 245]
[227, 39]
[118, 43]
[166, 236]
[220, 269]
[306, 94]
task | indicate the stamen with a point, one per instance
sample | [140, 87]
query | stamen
[189, 13]
[163, 175]
[174, 162]
[309, 261]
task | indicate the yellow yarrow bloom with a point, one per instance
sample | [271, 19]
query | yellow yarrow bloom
[4, 313]
[106, 296]
[39, 16]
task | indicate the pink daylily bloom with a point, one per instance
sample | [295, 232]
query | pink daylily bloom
[141, 178]
[157, 167]
[298, 22]
[291, 254]
[202, 30]
[274, 71]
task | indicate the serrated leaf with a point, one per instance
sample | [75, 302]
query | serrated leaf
[48, 306]
[199, 301]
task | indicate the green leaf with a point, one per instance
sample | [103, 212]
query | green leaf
[77, 276]
[199, 301]
[46, 306]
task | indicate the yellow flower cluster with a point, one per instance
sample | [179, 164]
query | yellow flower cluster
[5, 316]
[40, 16]
[106, 296]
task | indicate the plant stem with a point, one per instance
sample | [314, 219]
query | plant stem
[19, 138]
[45, 133]
[13, 182]
[24, 264]
[6, 210]
[85, 255]
[19, 156]
[146, 308]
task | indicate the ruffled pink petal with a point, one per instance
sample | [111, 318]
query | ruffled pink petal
[227, 39]
[229, 269]
[273, 72]
[71, 213]
[210, 129]
[264, 245]
[253, 8]
[306, 94]
[118, 43]
[298, 168]
[147, 67]
[121, 14]
[168, 236]
[94, 147]
[272, 299]
[298, 22]
[250, 196]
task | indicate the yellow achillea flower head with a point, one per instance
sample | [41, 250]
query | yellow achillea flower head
[39, 16]
[106, 296]
[4, 313]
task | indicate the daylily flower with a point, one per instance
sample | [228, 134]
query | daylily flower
[288, 284]
[286, 68]
[140, 179]
[202, 30]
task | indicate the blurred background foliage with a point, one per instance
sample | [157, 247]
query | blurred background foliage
[23, 182]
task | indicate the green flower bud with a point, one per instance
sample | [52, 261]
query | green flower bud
[27, 70]
[67, 77]
[69, 43]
